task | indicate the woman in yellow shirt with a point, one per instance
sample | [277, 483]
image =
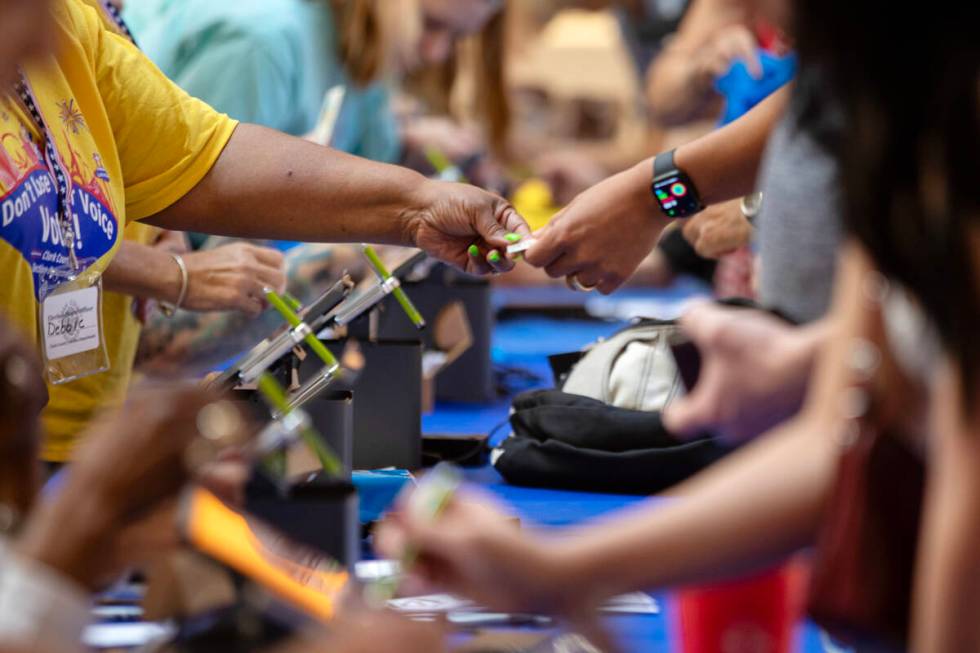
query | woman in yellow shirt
[94, 137]
[146, 268]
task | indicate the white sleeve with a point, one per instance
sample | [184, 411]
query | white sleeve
[39, 609]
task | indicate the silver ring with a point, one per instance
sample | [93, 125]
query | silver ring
[573, 283]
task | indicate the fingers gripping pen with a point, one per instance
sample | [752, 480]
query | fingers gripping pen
[433, 494]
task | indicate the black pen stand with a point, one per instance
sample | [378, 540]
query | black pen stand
[332, 414]
[310, 507]
[469, 378]
[387, 407]
[317, 511]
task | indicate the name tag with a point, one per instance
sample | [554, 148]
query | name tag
[70, 323]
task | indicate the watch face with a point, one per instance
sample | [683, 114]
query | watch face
[676, 196]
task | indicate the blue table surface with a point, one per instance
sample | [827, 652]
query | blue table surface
[525, 342]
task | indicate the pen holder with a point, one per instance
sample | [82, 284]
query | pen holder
[318, 511]
[469, 378]
[332, 415]
[387, 422]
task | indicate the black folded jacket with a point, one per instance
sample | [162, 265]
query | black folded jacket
[568, 441]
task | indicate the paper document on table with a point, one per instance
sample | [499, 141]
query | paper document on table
[430, 603]
[633, 603]
[369, 570]
[126, 635]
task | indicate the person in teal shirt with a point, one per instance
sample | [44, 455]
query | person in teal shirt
[271, 62]
[268, 62]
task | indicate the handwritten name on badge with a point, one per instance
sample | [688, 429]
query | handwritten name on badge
[70, 323]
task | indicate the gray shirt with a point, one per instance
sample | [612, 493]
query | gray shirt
[798, 227]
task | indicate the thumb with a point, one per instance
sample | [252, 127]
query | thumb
[703, 323]
[749, 53]
[754, 64]
[543, 249]
[688, 416]
[490, 224]
[692, 229]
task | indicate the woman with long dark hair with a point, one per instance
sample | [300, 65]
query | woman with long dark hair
[880, 470]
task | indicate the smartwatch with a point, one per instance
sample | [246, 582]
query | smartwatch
[673, 189]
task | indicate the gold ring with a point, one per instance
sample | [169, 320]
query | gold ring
[573, 283]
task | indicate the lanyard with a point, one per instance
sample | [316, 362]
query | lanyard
[52, 159]
[56, 168]
[113, 13]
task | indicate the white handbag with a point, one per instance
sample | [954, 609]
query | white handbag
[632, 369]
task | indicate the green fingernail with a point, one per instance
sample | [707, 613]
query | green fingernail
[474, 251]
[513, 238]
[494, 257]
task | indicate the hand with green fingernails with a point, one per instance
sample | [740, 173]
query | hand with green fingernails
[514, 248]
[464, 226]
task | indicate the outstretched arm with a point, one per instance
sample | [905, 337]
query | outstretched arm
[619, 214]
[269, 185]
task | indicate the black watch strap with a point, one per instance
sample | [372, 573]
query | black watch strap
[663, 163]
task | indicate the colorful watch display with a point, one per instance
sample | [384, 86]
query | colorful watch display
[673, 189]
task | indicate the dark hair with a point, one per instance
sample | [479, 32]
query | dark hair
[893, 90]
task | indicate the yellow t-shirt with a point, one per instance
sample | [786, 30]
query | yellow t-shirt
[133, 144]
[71, 406]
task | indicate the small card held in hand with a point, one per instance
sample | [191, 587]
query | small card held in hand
[517, 248]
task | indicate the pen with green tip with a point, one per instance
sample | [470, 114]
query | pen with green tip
[443, 166]
[385, 277]
[317, 383]
[427, 502]
[294, 320]
[268, 352]
[292, 424]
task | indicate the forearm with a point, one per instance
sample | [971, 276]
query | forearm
[193, 342]
[269, 185]
[725, 163]
[759, 504]
[947, 583]
[144, 272]
[804, 346]
[676, 93]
